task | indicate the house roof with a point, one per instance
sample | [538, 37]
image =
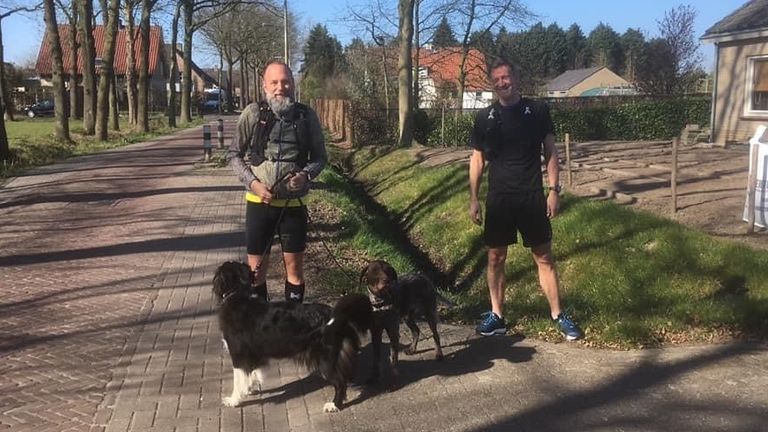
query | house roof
[751, 16]
[196, 70]
[443, 66]
[44, 63]
[566, 80]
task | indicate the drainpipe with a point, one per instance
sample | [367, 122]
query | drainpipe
[714, 93]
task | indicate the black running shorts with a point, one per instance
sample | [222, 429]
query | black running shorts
[261, 225]
[506, 214]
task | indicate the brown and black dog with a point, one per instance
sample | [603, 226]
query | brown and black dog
[409, 297]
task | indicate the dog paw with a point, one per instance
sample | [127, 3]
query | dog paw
[231, 402]
[409, 351]
[330, 407]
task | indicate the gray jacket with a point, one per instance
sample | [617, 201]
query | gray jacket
[271, 172]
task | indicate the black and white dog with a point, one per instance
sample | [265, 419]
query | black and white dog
[322, 338]
[409, 297]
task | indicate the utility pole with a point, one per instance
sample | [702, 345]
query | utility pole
[285, 32]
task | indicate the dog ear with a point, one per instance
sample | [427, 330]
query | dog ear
[391, 273]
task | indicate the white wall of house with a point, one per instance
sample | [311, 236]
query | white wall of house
[471, 99]
[476, 99]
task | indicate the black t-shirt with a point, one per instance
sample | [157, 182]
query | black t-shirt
[511, 139]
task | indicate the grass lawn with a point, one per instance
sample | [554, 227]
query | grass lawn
[33, 142]
[631, 279]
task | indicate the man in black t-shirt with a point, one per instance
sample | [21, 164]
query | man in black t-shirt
[510, 136]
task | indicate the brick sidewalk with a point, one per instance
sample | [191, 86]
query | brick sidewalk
[106, 324]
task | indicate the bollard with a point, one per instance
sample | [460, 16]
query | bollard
[220, 133]
[207, 142]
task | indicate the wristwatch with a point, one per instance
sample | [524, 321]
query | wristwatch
[557, 188]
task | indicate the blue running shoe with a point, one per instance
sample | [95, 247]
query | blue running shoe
[492, 324]
[567, 327]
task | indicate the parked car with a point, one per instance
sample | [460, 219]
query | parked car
[211, 106]
[42, 108]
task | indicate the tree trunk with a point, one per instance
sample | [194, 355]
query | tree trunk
[142, 111]
[186, 74]
[89, 68]
[416, 53]
[258, 83]
[5, 150]
[387, 101]
[244, 92]
[107, 69]
[114, 104]
[462, 79]
[174, 67]
[6, 108]
[59, 93]
[230, 94]
[74, 95]
[130, 69]
[405, 73]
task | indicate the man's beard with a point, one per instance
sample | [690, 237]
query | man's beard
[279, 104]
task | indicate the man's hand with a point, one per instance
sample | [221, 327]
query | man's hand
[475, 212]
[553, 204]
[262, 191]
[297, 181]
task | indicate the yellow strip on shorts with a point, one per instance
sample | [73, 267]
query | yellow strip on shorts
[293, 202]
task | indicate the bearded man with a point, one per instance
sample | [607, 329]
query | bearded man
[277, 149]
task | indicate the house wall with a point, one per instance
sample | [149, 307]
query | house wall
[471, 99]
[731, 125]
[601, 78]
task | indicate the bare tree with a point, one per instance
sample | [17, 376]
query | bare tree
[405, 73]
[142, 112]
[129, 12]
[57, 61]
[677, 31]
[481, 16]
[194, 21]
[89, 66]
[377, 20]
[5, 12]
[70, 11]
[107, 70]
[369, 20]
[174, 67]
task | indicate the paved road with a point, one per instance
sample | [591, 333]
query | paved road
[106, 324]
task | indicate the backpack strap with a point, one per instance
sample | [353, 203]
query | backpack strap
[266, 121]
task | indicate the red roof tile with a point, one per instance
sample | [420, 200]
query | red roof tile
[121, 52]
[444, 63]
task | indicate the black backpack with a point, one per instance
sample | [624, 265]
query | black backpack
[266, 122]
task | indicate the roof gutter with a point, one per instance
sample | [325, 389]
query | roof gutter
[735, 36]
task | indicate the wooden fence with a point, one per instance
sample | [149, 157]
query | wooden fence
[335, 116]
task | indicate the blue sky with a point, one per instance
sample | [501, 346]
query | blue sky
[22, 35]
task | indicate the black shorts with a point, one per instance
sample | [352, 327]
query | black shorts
[505, 215]
[261, 227]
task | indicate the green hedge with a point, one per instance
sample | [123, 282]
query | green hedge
[659, 119]
[638, 120]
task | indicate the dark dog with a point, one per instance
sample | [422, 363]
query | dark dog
[409, 297]
[321, 338]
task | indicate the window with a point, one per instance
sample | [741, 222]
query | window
[757, 86]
